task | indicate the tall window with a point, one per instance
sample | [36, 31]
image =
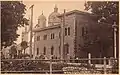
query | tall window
[38, 38]
[65, 31]
[44, 52]
[37, 51]
[59, 34]
[86, 30]
[45, 37]
[52, 36]
[68, 30]
[52, 50]
[67, 47]
[59, 50]
[83, 31]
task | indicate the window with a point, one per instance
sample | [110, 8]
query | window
[45, 37]
[37, 51]
[82, 31]
[52, 36]
[65, 31]
[67, 48]
[59, 50]
[68, 30]
[59, 34]
[38, 38]
[86, 30]
[44, 52]
[52, 50]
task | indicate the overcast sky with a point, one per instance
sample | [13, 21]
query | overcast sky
[47, 7]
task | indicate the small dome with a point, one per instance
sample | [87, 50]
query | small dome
[52, 19]
[41, 17]
[42, 21]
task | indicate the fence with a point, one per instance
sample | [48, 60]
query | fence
[79, 66]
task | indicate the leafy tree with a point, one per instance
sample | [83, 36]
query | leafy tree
[24, 45]
[98, 38]
[102, 33]
[12, 17]
[107, 11]
[13, 51]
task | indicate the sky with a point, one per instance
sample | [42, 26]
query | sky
[47, 7]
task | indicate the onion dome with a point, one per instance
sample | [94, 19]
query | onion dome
[42, 21]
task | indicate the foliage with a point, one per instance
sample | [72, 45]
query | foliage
[99, 37]
[30, 65]
[108, 11]
[12, 17]
[115, 67]
[24, 44]
[101, 34]
[13, 51]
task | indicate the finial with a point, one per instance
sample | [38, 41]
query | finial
[55, 9]
[55, 5]
[42, 12]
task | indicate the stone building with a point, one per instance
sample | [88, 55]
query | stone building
[63, 37]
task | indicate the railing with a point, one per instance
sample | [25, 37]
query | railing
[83, 65]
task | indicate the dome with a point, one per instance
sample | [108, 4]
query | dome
[42, 21]
[53, 19]
[42, 17]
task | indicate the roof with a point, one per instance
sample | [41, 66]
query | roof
[77, 12]
[46, 28]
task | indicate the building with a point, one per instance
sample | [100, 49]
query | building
[64, 36]
[48, 40]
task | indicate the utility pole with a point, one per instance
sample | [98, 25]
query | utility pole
[31, 25]
[62, 35]
[115, 30]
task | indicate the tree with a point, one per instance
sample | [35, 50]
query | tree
[12, 17]
[13, 51]
[98, 38]
[24, 45]
[108, 13]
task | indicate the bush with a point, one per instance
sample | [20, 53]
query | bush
[115, 67]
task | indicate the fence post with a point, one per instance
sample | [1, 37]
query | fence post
[110, 61]
[50, 64]
[89, 57]
[104, 65]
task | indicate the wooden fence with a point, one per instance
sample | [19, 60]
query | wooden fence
[58, 65]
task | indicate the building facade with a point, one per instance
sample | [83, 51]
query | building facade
[64, 35]
[48, 39]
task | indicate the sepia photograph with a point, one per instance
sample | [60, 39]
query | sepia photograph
[59, 37]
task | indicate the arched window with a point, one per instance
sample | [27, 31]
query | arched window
[52, 50]
[44, 52]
